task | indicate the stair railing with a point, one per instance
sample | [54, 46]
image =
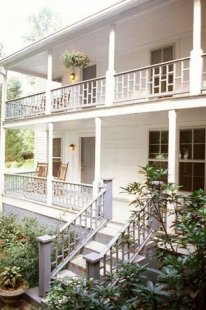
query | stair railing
[126, 245]
[55, 252]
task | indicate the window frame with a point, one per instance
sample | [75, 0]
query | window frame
[192, 160]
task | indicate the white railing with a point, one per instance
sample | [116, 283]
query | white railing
[159, 80]
[71, 195]
[26, 185]
[26, 106]
[64, 194]
[204, 72]
[79, 95]
[74, 234]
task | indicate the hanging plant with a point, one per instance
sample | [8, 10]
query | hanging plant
[75, 59]
[26, 155]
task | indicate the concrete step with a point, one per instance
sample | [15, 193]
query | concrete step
[65, 273]
[78, 265]
[93, 246]
[105, 234]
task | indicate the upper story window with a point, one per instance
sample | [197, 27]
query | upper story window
[158, 148]
[192, 159]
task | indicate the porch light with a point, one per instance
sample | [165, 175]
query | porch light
[71, 147]
[72, 77]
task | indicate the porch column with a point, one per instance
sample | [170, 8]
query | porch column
[2, 141]
[98, 124]
[196, 61]
[110, 80]
[49, 80]
[50, 160]
[172, 149]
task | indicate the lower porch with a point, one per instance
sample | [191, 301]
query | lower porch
[113, 147]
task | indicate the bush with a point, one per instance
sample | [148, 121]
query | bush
[19, 245]
[181, 278]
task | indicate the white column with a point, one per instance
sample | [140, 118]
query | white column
[196, 61]
[2, 141]
[110, 81]
[172, 148]
[49, 80]
[98, 124]
[50, 158]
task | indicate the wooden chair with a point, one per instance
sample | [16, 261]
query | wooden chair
[38, 185]
[62, 173]
[58, 189]
[41, 170]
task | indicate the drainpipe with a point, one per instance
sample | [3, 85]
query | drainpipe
[196, 61]
[2, 139]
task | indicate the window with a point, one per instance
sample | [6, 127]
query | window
[158, 148]
[192, 159]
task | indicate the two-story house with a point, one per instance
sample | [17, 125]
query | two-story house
[142, 99]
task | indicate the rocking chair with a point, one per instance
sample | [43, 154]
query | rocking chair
[62, 173]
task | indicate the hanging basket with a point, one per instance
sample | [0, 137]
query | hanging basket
[75, 59]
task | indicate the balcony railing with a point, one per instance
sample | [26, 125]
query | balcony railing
[85, 94]
[64, 194]
[204, 73]
[71, 195]
[26, 106]
[159, 80]
[151, 82]
[25, 185]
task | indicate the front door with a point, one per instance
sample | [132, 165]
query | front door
[87, 159]
[89, 90]
[57, 150]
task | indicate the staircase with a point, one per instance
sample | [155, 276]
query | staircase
[99, 243]
[92, 244]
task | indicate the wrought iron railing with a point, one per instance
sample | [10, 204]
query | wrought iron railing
[26, 106]
[204, 72]
[79, 95]
[26, 185]
[73, 235]
[159, 80]
[71, 195]
[130, 240]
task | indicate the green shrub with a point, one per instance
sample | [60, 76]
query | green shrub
[181, 278]
[18, 243]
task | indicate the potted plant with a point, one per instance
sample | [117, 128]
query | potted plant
[12, 285]
[74, 59]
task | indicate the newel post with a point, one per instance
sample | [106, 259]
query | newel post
[108, 208]
[93, 265]
[44, 263]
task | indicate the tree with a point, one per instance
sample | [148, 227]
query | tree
[14, 88]
[44, 22]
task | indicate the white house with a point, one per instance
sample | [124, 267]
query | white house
[142, 99]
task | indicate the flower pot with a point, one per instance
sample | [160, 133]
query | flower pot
[13, 297]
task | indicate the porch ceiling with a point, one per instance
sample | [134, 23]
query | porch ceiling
[132, 31]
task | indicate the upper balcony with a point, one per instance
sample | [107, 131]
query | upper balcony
[143, 51]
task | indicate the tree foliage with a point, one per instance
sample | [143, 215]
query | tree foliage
[43, 23]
